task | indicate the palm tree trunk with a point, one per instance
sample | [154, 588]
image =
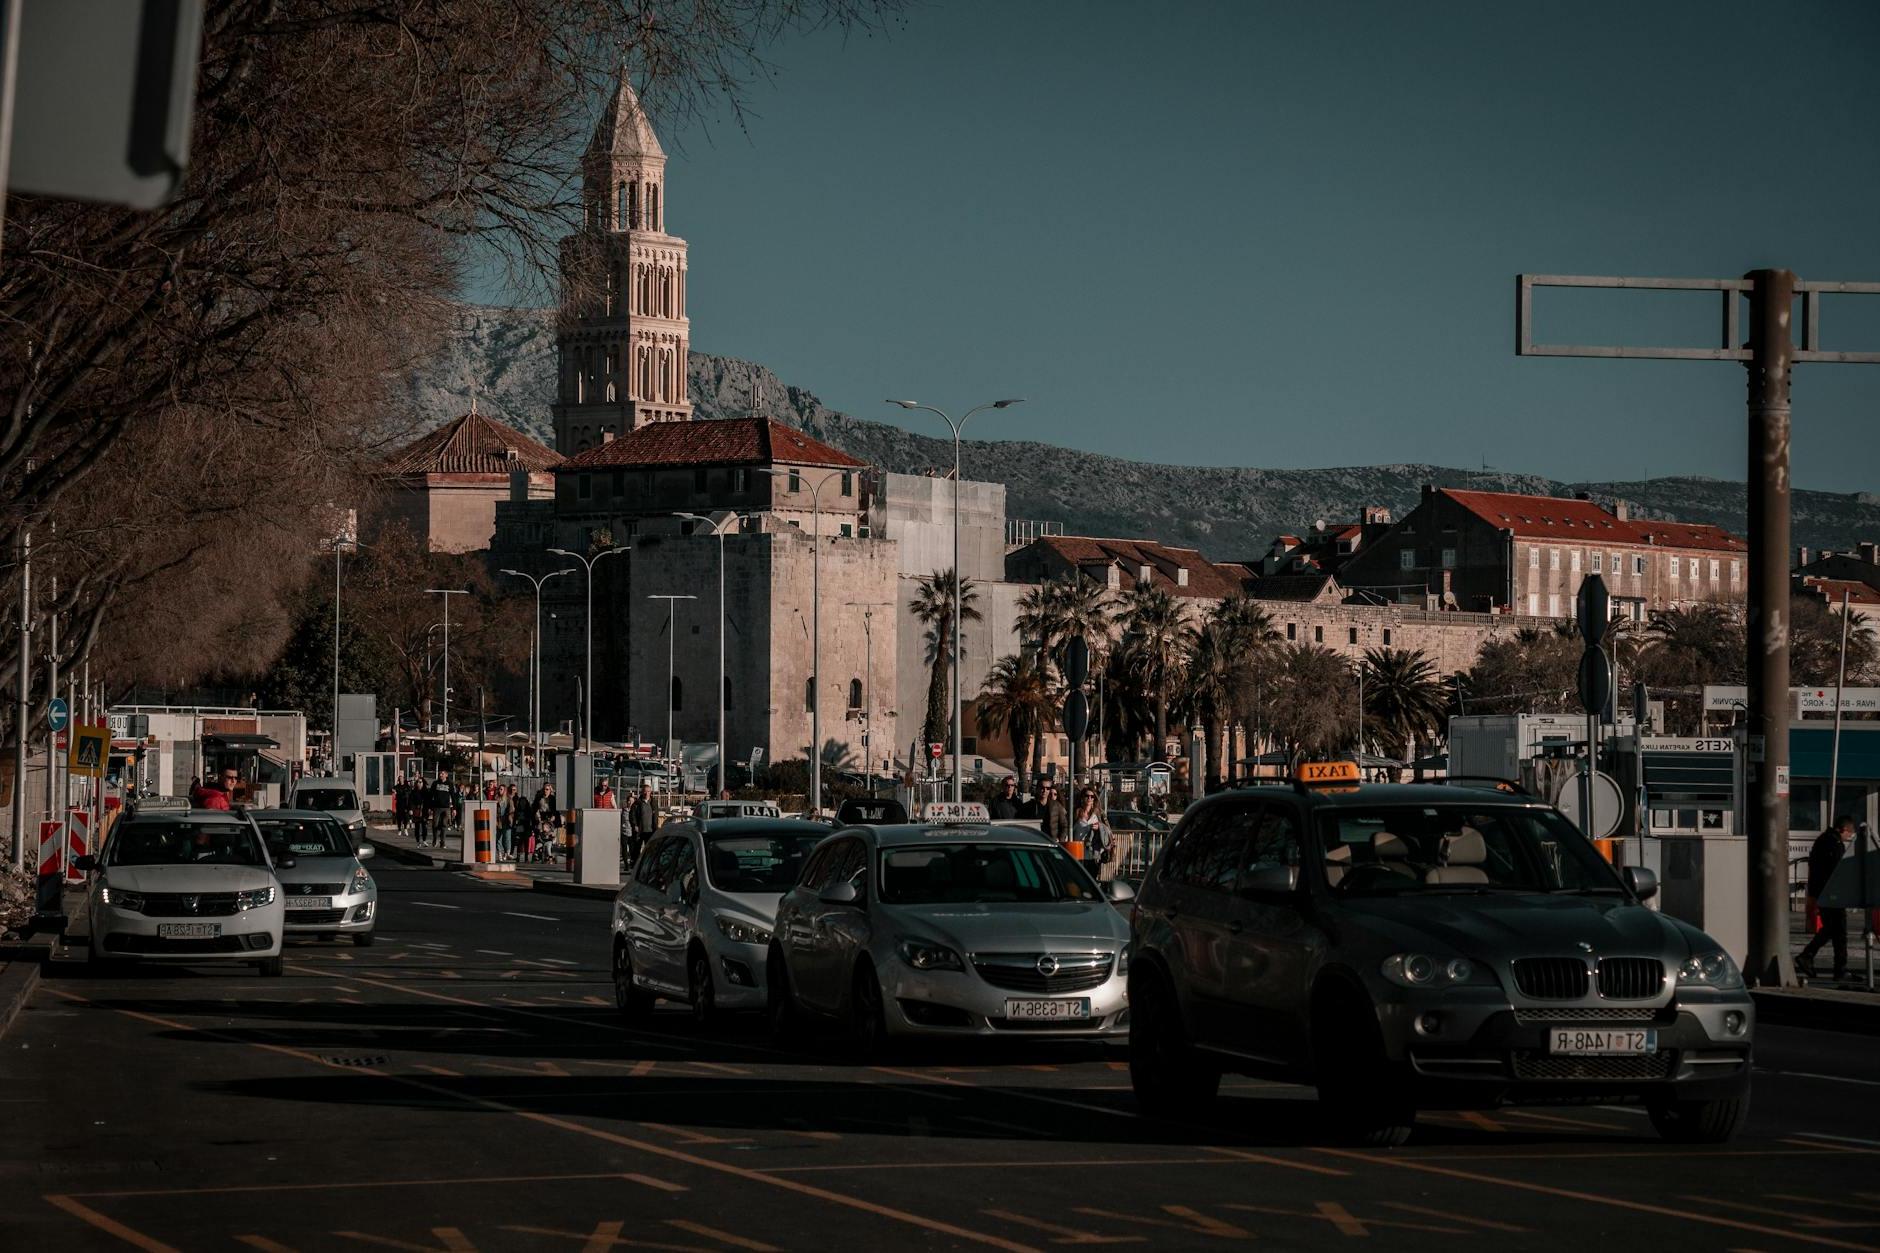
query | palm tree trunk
[937, 695]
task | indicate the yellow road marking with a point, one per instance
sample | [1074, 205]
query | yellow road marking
[1561, 1120]
[1475, 1119]
[452, 1241]
[1430, 1212]
[725, 1237]
[439, 1070]
[1268, 1159]
[1066, 1235]
[110, 1226]
[604, 1236]
[664, 1185]
[1643, 1207]
[685, 1136]
[1801, 1220]
[264, 1244]
[1195, 1222]
[1343, 1219]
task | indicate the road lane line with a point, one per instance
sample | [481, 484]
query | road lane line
[1809, 1074]
[1822, 1135]
[938, 1226]
[559, 961]
[264, 1244]
[651, 1181]
[1803, 1220]
[513, 913]
[110, 1226]
[1431, 1212]
[231, 1189]
[1267, 1159]
[495, 952]
[1067, 1235]
[1571, 1194]
[452, 1240]
[430, 905]
[723, 1237]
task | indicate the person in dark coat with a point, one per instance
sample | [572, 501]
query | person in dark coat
[1826, 853]
[1004, 806]
[642, 821]
[1053, 819]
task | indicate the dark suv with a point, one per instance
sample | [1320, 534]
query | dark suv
[1406, 946]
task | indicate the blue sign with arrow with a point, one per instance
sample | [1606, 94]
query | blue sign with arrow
[58, 713]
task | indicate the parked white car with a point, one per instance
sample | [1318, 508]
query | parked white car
[191, 888]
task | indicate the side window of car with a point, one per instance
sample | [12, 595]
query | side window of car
[656, 866]
[852, 866]
[1217, 869]
[816, 870]
[1189, 836]
[1273, 843]
[684, 875]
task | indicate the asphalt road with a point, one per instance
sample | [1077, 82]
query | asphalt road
[465, 1085]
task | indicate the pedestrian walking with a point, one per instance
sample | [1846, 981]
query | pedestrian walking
[1089, 827]
[1052, 818]
[642, 817]
[1823, 856]
[1004, 806]
[547, 821]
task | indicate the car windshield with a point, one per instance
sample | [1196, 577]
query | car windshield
[971, 874]
[184, 844]
[758, 861]
[1459, 848]
[327, 798]
[305, 837]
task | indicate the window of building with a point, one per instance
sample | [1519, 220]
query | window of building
[1449, 559]
[848, 483]
[1736, 570]
[1386, 637]
[1576, 561]
[1638, 565]
[1599, 563]
[740, 480]
[1553, 559]
[1407, 559]
[678, 693]
[583, 486]
[1534, 557]
[847, 530]
[1553, 604]
[855, 693]
[1716, 568]
[796, 480]
[1318, 635]
[1674, 567]
[698, 481]
[1354, 635]
[1534, 604]
[1292, 630]
[968, 745]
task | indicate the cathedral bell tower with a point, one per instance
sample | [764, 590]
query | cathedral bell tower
[623, 334]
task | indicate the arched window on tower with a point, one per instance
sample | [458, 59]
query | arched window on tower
[633, 206]
[653, 199]
[855, 693]
[678, 694]
[620, 206]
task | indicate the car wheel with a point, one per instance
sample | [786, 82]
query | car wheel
[271, 967]
[703, 995]
[1698, 1122]
[868, 1021]
[779, 1005]
[1169, 1079]
[634, 1002]
[1363, 1095]
[363, 939]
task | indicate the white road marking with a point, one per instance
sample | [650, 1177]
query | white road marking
[1822, 1135]
[495, 952]
[1807, 1074]
[433, 905]
[514, 914]
[558, 961]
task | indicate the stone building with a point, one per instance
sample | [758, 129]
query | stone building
[445, 486]
[1501, 552]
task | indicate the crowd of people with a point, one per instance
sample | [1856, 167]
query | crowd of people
[1072, 820]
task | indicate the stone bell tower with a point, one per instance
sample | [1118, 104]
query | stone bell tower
[623, 333]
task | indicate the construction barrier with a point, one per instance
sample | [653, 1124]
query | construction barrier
[53, 861]
[485, 851]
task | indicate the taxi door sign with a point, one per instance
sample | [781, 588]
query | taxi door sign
[1322, 772]
[90, 748]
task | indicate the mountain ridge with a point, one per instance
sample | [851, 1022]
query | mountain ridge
[505, 358]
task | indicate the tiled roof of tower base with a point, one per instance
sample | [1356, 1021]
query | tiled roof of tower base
[472, 444]
[718, 442]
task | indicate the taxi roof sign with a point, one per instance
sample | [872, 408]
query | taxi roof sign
[954, 811]
[1320, 773]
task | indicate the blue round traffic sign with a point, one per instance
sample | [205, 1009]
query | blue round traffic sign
[58, 713]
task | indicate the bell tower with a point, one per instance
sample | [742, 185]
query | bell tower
[623, 334]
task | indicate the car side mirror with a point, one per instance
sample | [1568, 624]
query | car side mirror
[286, 863]
[1119, 890]
[842, 893]
[1643, 882]
[1272, 881]
[85, 862]
[367, 852]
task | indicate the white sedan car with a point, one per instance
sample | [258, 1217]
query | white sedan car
[192, 888]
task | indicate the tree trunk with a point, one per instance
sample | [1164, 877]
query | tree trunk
[937, 689]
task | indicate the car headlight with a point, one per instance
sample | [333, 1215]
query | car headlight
[361, 882]
[357, 824]
[1710, 970]
[922, 955]
[255, 898]
[118, 898]
[1420, 970]
[740, 932]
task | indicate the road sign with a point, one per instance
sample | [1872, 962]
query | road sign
[1608, 804]
[1076, 661]
[1595, 680]
[58, 713]
[936, 750]
[1595, 610]
[91, 746]
[1077, 714]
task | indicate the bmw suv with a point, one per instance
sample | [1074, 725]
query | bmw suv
[1409, 946]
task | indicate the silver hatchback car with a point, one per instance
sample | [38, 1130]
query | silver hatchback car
[328, 892]
[949, 930]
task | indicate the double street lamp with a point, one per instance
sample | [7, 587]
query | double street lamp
[958, 581]
[721, 526]
[672, 636]
[535, 655]
[446, 593]
[587, 688]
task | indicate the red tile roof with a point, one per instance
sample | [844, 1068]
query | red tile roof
[1205, 578]
[1297, 587]
[471, 444]
[718, 442]
[1833, 589]
[1557, 518]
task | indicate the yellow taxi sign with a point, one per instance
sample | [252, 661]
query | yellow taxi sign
[1315, 773]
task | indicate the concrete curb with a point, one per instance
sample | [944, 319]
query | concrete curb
[1857, 1012]
[403, 856]
[590, 891]
[26, 959]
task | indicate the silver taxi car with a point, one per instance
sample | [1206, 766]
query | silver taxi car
[948, 929]
[1413, 946]
[329, 893]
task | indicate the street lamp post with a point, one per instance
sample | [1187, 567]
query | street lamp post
[587, 685]
[720, 526]
[672, 637]
[446, 593]
[868, 683]
[535, 657]
[956, 428]
[815, 630]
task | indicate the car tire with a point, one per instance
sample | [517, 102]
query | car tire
[780, 1009]
[271, 967]
[1169, 1079]
[1698, 1122]
[702, 994]
[633, 1002]
[868, 1017]
[1363, 1095]
[363, 939]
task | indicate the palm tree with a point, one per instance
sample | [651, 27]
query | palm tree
[1404, 701]
[933, 606]
[1228, 654]
[1057, 609]
[1019, 695]
[1155, 625]
[1311, 710]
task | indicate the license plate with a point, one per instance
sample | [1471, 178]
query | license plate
[1045, 1011]
[310, 902]
[188, 930]
[1600, 1040]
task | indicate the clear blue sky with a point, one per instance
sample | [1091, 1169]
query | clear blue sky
[1286, 235]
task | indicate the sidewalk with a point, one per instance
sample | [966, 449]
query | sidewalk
[548, 876]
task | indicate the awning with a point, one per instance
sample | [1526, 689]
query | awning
[245, 743]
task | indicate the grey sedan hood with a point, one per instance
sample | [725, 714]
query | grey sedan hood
[201, 877]
[1008, 927]
[1513, 924]
[319, 870]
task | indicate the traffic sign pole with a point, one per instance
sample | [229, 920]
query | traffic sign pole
[1595, 610]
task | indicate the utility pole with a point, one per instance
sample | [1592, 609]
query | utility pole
[446, 593]
[1769, 355]
[23, 708]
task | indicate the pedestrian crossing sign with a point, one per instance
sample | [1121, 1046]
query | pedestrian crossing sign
[90, 747]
